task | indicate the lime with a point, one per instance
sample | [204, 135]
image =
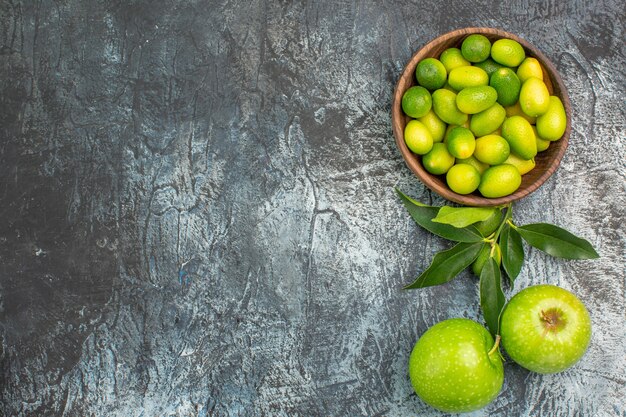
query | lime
[438, 161]
[476, 99]
[507, 85]
[519, 133]
[487, 121]
[444, 105]
[416, 102]
[417, 137]
[500, 181]
[463, 178]
[489, 66]
[435, 125]
[522, 165]
[431, 73]
[452, 58]
[480, 166]
[534, 97]
[530, 67]
[507, 52]
[467, 76]
[461, 143]
[483, 256]
[551, 125]
[492, 149]
[475, 48]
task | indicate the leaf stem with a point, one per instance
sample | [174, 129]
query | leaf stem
[508, 215]
[495, 345]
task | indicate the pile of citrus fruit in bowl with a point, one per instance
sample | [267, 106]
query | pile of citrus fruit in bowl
[477, 115]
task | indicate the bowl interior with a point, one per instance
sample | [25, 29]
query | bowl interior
[546, 162]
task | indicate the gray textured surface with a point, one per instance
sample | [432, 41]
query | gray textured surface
[198, 214]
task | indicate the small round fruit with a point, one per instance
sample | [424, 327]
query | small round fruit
[483, 256]
[444, 105]
[467, 76]
[455, 368]
[487, 121]
[530, 67]
[463, 178]
[545, 329]
[416, 102]
[489, 66]
[418, 137]
[472, 100]
[461, 142]
[438, 161]
[521, 137]
[452, 58]
[431, 73]
[492, 149]
[435, 125]
[507, 52]
[476, 48]
[534, 97]
[500, 181]
[551, 125]
[507, 86]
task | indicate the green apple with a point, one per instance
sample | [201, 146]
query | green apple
[456, 366]
[545, 329]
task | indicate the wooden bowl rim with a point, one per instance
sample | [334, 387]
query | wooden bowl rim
[413, 161]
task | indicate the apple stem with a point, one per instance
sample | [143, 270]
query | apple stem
[495, 345]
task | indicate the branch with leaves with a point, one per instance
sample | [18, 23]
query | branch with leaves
[487, 239]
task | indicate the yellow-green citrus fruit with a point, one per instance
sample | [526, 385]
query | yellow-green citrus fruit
[431, 73]
[417, 137]
[483, 255]
[534, 97]
[480, 166]
[492, 149]
[435, 125]
[489, 66]
[488, 226]
[522, 165]
[467, 76]
[516, 110]
[444, 104]
[542, 144]
[507, 52]
[507, 86]
[463, 178]
[551, 125]
[452, 58]
[461, 143]
[416, 102]
[476, 48]
[500, 181]
[438, 161]
[487, 121]
[473, 100]
[520, 135]
[530, 67]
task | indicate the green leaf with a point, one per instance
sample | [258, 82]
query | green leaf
[423, 215]
[556, 241]
[512, 252]
[491, 296]
[447, 265]
[463, 216]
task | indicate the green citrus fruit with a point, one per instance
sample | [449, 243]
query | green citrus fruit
[476, 48]
[467, 76]
[461, 143]
[489, 66]
[473, 100]
[483, 256]
[487, 121]
[492, 149]
[416, 102]
[431, 73]
[507, 86]
[444, 105]
[438, 161]
[435, 125]
[417, 137]
[463, 178]
[534, 97]
[507, 52]
[500, 181]
[521, 137]
[530, 67]
[452, 58]
[551, 125]
[488, 226]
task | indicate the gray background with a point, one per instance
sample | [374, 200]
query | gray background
[198, 215]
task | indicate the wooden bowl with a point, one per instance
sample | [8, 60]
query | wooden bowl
[546, 162]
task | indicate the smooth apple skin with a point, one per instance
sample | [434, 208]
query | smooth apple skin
[534, 344]
[451, 369]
